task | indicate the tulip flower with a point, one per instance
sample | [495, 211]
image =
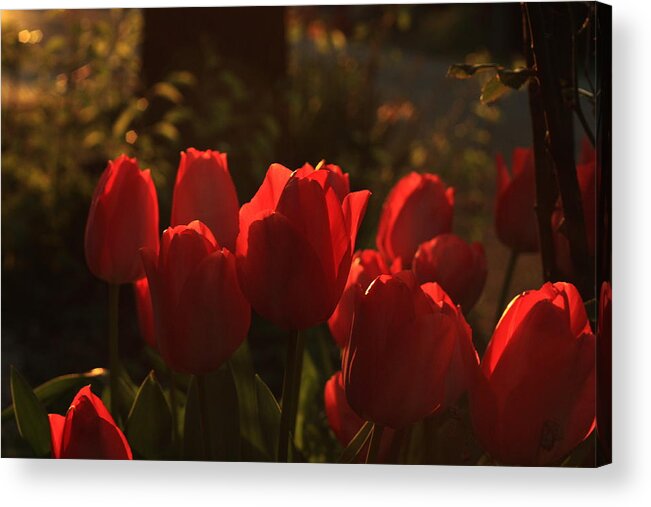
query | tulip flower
[605, 368]
[87, 431]
[515, 218]
[145, 311]
[533, 397]
[401, 349]
[418, 208]
[296, 241]
[201, 317]
[204, 191]
[345, 423]
[123, 218]
[587, 185]
[365, 267]
[459, 267]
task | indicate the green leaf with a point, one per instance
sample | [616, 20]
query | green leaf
[55, 388]
[311, 388]
[253, 445]
[127, 394]
[222, 418]
[355, 445]
[149, 425]
[269, 412]
[492, 91]
[31, 417]
[514, 78]
[466, 70]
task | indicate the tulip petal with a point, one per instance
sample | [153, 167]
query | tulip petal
[57, 423]
[281, 270]
[354, 208]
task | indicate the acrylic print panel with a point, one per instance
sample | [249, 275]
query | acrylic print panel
[371, 234]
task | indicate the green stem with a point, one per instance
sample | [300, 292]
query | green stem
[510, 268]
[374, 446]
[174, 409]
[203, 417]
[291, 391]
[114, 354]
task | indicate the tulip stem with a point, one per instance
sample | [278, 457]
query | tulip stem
[374, 446]
[114, 355]
[291, 391]
[203, 417]
[174, 406]
[508, 275]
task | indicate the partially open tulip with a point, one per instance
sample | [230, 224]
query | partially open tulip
[87, 431]
[586, 177]
[296, 241]
[418, 208]
[205, 191]
[366, 266]
[145, 311]
[533, 398]
[605, 369]
[515, 217]
[123, 218]
[459, 267]
[345, 423]
[401, 347]
[201, 317]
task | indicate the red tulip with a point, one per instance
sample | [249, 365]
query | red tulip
[605, 368]
[145, 311]
[401, 347]
[201, 316]
[587, 185]
[418, 208]
[296, 241]
[587, 152]
[515, 216]
[87, 431]
[365, 267]
[345, 423]
[205, 191]
[123, 218]
[459, 267]
[533, 398]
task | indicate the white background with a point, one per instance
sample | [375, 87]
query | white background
[626, 482]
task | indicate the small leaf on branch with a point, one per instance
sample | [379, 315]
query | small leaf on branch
[492, 91]
[466, 70]
[514, 78]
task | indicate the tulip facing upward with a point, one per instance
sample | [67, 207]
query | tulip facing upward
[123, 218]
[366, 266]
[400, 351]
[418, 208]
[533, 398]
[515, 217]
[459, 267]
[205, 191]
[201, 316]
[87, 431]
[297, 237]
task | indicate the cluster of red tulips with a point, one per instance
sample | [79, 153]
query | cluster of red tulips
[397, 313]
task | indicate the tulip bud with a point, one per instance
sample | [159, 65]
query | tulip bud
[201, 317]
[418, 208]
[345, 423]
[87, 431]
[533, 397]
[365, 267]
[123, 218]
[145, 311]
[296, 240]
[515, 217]
[460, 268]
[400, 351]
[204, 191]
